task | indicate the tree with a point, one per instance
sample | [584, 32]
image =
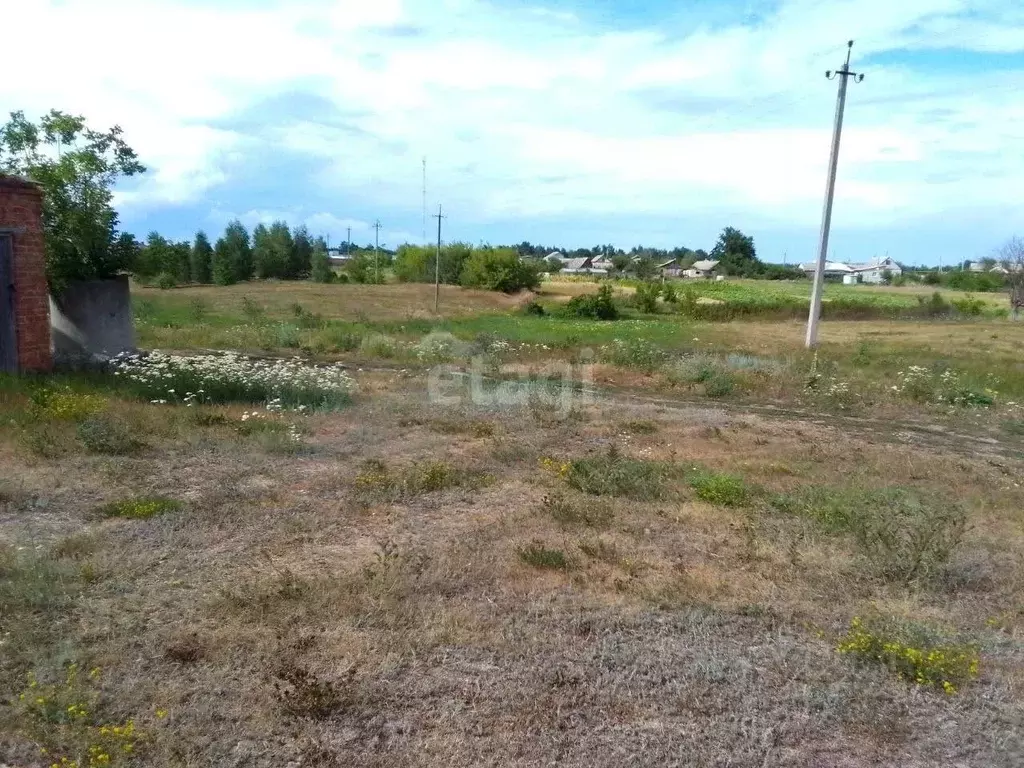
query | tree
[262, 257]
[77, 168]
[735, 253]
[500, 269]
[300, 263]
[232, 256]
[620, 261]
[553, 265]
[320, 266]
[1011, 257]
[154, 257]
[644, 268]
[202, 259]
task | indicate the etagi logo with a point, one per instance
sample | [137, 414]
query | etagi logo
[558, 384]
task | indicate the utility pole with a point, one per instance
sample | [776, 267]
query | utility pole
[437, 260]
[348, 240]
[376, 251]
[830, 188]
[424, 199]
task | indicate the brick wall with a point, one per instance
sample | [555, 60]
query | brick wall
[21, 209]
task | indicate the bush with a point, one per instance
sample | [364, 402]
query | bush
[904, 536]
[969, 306]
[634, 353]
[913, 654]
[574, 511]
[166, 280]
[500, 269]
[533, 309]
[719, 488]
[719, 385]
[599, 306]
[668, 292]
[646, 297]
[614, 475]
[101, 434]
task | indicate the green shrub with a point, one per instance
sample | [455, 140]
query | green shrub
[719, 488]
[599, 306]
[287, 336]
[719, 385]
[646, 297]
[969, 306]
[533, 309]
[105, 435]
[253, 312]
[904, 535]
[668, 292]
[165, 281]
[914, 654]
[378, 345]
[198, 309]
[634, 353]
[140, 508]
[540, 556]
[614, 475]
[500, 269]
[574, 511]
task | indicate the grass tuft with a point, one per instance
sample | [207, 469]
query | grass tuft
[140, 508]
[540, 556]
[719, 488]
[616, 475]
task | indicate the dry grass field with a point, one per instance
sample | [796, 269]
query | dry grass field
[721, 551]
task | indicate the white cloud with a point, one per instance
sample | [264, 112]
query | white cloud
[533, 112]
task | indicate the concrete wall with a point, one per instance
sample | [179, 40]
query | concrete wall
[21, 214]
[92, 321]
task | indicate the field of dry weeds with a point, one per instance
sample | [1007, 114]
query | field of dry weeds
[620, 582]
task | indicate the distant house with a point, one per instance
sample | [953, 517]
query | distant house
[670, 268]
[601, 266]
[578, 266]
[877, 271]
[704, 268]
[856, 273]
[976, 266]
[555, 255]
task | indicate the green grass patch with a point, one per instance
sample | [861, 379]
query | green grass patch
[107, 436]
[540, 556]
[140, 508]
[719, 488]
[377, 479]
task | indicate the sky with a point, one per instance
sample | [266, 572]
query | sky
[563, 122]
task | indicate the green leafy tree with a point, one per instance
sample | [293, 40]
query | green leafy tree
[262, 255]
[415, 263]
[500, 269]
[620, 261]
[232, 256]
[644, 268]
[553, 265]
[320, 268]
[202, 259]
[77, 168]
[736, 254]
[154, 257]
[300, 263]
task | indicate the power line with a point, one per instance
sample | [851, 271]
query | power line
[830, 188]
[437, 260]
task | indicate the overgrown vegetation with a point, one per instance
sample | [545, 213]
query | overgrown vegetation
[613, 474]
[912, 653]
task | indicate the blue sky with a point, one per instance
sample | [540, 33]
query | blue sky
[565, 122]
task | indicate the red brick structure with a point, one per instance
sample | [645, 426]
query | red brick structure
[24, 294]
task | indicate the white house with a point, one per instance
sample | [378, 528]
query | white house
[705, 268]
[876, 272]
[856, 273]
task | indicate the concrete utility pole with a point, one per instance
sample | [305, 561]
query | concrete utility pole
[348, 240]
[830, 188]
[424, 200]
[376, 250]
[437, 260]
